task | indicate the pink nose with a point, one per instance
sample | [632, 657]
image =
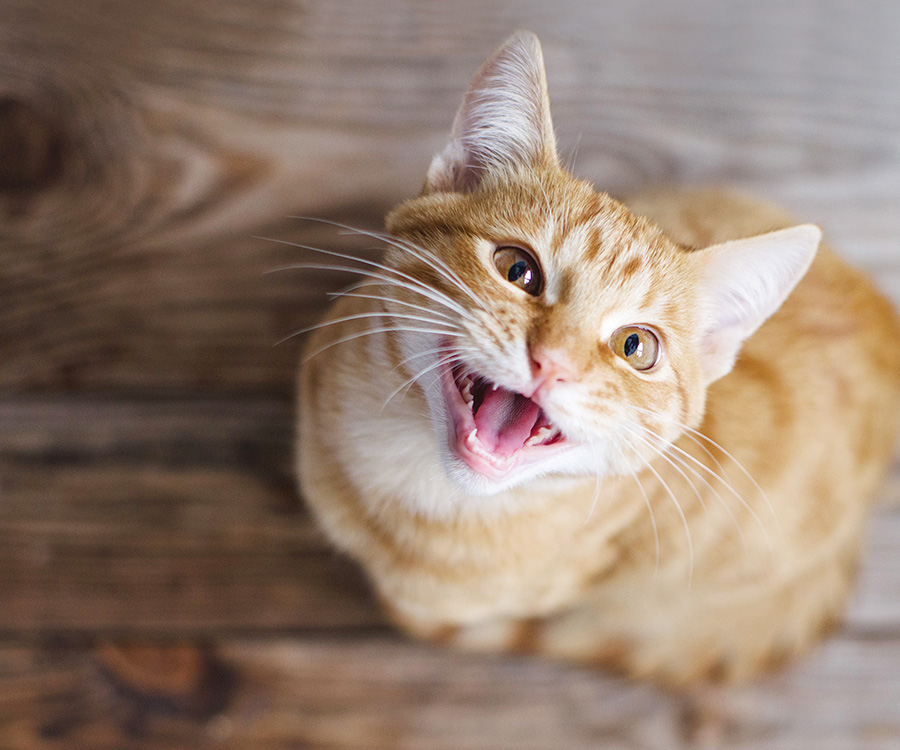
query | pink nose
[550, 366]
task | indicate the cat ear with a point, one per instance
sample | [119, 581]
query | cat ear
[742, 283]
[504, 121]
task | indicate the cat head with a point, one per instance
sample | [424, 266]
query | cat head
[566, 334]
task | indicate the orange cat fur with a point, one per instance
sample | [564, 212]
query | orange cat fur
[652, 483]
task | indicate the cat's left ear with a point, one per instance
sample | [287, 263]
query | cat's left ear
[503, 123]
[742, 283]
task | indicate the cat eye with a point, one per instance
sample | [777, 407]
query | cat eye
[519, 268]
[639, 347]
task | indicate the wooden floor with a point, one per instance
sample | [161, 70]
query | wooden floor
[162, 585]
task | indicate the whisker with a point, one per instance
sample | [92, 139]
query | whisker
[425, 291]
[387, 269]
[684, 521]
[669, 460]
[573, 156]
[721, 474]
[430, 259]
[724, 473]
[392, 300]
[599, 480]
[402, 244]
[546, 202]
[434, 350]
[354, 287]
[373, 331]
[663, 452]
[408, 383]
[732, 491]
[725, 452]
[363, 316]
[640, 485]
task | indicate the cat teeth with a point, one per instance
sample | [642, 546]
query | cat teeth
[466, 392]
[474, 445]
[543, 434]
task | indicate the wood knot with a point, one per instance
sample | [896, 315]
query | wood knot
[182, 679]
[32, 148]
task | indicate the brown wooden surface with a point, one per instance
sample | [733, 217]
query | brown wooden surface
[388, 695]
[155, 138]
[181, 516]
[162, 586]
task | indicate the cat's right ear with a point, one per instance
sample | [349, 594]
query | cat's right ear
[504, 122]
[742, 282]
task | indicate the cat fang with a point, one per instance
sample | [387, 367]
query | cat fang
[495, 430]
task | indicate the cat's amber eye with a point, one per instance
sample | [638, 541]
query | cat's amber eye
[519, 268]
[638, 346]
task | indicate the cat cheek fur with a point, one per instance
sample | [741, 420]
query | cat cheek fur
[700, 520]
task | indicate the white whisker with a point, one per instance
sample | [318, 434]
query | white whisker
[409, 381]
[730, 488]
[434, 350]
[423, 290]
[546, 202]
[430, 259]
[640, 485]
[403, 244]
[417, 285]
[684, 521]
[599, 480]
[373, 331]
[660, 453]
[363, 316]
[392, 300]
[663, 452]
[573, 157]
[692, 432]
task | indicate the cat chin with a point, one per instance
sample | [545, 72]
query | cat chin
[568, 464]
[475, 483]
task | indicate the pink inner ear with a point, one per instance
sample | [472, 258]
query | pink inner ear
[503, 123]
[744, 282]
[505, 420]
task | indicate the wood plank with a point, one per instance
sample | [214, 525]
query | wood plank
[181, 516]
[162, 515]
[238, 432]
[171, 549]
[142, 148]
[385, 694]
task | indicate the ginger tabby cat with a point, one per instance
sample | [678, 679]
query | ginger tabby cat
[546, 423]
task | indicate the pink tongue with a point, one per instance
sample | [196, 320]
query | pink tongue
[505, 420]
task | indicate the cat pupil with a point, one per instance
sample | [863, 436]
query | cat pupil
[518, 270]
[631, 344]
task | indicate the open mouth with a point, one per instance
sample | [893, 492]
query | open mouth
[496, 430]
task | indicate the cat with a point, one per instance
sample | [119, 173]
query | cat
[645, 438]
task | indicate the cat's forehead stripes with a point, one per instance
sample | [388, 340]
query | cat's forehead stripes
[607, 260]
[591, 249]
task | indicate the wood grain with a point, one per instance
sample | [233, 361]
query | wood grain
[172, 516]
[162, 586]
[180, 516]
[145, 145]
[385, 695]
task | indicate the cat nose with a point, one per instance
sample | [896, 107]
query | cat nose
[549, 367]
